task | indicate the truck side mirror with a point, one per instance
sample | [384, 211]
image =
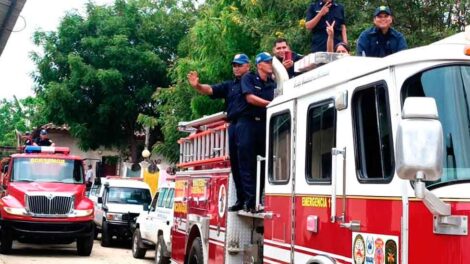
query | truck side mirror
[100, 200]
[5, 168]
[420, 141]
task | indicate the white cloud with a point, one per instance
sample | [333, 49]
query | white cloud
[15, 64]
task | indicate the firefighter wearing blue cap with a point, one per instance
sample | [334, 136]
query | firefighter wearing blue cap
[380, 40]
[43, 139]
[235, 105]
[258, 89]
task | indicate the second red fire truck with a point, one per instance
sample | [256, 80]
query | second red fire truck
[367, 161]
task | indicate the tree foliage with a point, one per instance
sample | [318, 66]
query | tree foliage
[224, 28]
[19, 115]
[98, 71]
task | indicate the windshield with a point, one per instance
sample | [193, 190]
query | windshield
[124, 195]
[47, 170]
[450, 86]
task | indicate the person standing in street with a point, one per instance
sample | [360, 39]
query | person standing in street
[89, 177]
[235, 106]
[258, 89]
[318, 14]
[380, 40]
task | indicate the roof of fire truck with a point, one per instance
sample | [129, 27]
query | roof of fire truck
[348, 68]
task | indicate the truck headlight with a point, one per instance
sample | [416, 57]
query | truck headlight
[81, 213]
[114, 217]
[15, 211]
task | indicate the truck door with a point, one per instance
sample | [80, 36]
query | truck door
[278, 190]
[321, 128]
[449, 84]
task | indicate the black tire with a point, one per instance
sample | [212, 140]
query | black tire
[195, 254]
[105, 235]
[160, 252]
[6, 242]
[137, 251]
[95, 232]
[85, 245]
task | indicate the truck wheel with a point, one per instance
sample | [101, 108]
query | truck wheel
[195, 254]
[95, 232]
[6, 242]
[105, 236]
[85, 245]
[160, 252]
[137, 251]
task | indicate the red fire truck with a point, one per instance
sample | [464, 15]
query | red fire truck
[367, 161]
[43, 199]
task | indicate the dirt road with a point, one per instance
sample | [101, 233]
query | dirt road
[66, 254]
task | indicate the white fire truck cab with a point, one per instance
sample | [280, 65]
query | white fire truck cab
[367, 161]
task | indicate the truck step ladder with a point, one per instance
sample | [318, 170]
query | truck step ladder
[207, 143]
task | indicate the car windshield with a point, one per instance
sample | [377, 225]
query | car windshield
[47, 170]
[125, 195]
[450, 87]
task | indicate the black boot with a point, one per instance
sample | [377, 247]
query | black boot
[236, 207]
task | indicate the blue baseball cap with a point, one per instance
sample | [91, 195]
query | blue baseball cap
[263, 57]
[382, 9]
[241, 58]
[43, 132]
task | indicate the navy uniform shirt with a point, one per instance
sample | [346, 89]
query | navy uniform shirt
[372, 43]
[231, 91]
[319, 34]
[252, 84]
[46, 142]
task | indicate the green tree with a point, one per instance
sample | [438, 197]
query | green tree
[224, 28]
[98, 71]
[22, 115]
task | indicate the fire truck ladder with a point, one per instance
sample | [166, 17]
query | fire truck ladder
[207, 143]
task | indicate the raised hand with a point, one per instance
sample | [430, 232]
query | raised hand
[325, 9]
[193, 78]
[330, 28]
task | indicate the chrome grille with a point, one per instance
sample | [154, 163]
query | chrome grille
[49, 204]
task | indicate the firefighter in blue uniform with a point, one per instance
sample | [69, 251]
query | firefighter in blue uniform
[320, 13]
[258, 89]
[235, 105]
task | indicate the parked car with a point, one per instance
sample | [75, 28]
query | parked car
[153, 227]
[117, 205]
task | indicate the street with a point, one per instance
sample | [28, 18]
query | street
[55, 254]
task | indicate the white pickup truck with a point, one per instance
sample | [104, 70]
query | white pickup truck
[119, 202]
[153, 227]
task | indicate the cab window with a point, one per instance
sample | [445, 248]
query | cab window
[161, 197]
[169, 199]
[450, 86]
[279, 148]
[321, 138]
[373, 134]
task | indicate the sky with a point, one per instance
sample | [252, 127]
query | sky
[15, 65]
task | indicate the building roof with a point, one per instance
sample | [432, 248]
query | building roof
[9, 13]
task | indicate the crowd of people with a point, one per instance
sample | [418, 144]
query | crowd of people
[248, 94]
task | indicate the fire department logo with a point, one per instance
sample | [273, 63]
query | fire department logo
[391, 252]
[221, 201]
[379, 251]
[359, 250]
